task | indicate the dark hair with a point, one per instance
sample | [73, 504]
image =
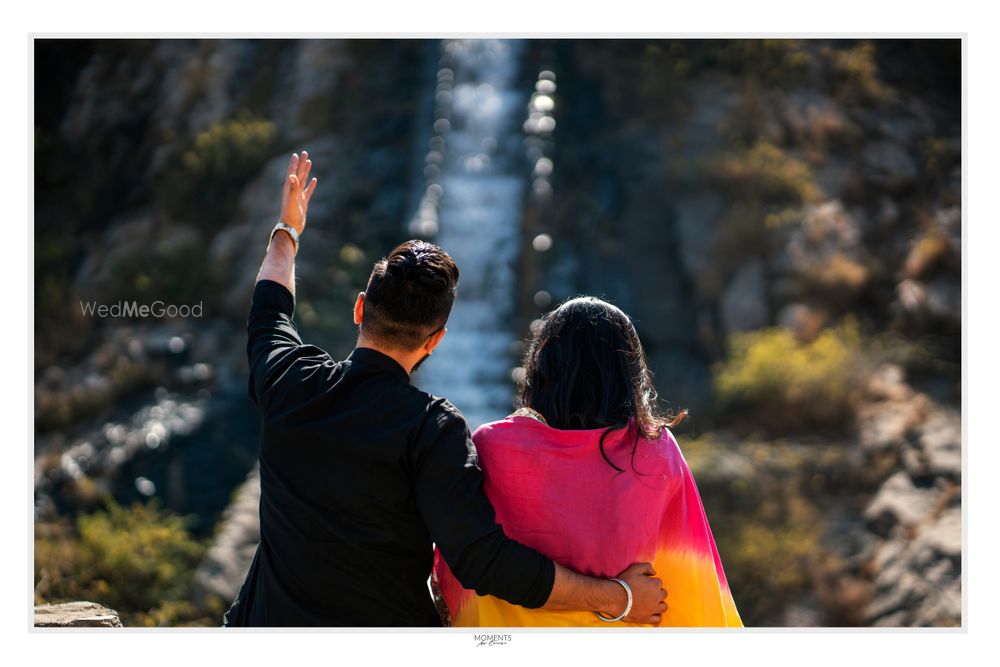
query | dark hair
[409, 295]
[585, 369]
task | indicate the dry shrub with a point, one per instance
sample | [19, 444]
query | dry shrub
[138, 560]
[785, 385]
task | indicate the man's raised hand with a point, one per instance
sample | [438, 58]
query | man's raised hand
[295, 198]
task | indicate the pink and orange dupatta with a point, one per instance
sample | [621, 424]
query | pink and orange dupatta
[553, 491]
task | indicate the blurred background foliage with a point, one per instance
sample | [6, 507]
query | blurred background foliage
[781, 217]
[201, 181]
[138, 560]
[788, 385]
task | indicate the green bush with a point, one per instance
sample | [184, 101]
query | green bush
[855, 77]
[783, 384]
[138, 560]
[764, 172]
[772, 526]
[770, 554]
[175, 272]
[202, 181]
[776, 63]
[767, 187]
[60, 328]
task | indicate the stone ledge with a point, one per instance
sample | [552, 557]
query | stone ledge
[76, 615]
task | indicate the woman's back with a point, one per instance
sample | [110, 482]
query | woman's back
[554, 491]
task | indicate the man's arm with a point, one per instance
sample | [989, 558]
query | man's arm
[572, 592]
[272, 339]
[273, 342]
[279, 261]
[449, 491]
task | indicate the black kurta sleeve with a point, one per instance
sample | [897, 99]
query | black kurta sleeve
[271, 337]
[462, 522]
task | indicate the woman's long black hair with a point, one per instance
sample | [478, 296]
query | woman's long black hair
[585, 368]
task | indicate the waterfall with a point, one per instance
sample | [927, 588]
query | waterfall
[471, 207]
[469, 203]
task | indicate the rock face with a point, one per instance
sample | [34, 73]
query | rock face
[890, 499]
[222, 572]
[691, 258]
[110, 390]
[745, 206]
[743, 305]
[916, 513]
[918, 579]
[76, 615]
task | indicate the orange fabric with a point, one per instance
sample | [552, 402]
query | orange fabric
[553, 491]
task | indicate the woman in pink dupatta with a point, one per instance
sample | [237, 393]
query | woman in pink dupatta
[587, 473]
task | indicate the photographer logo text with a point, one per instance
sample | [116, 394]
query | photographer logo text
[492, 640]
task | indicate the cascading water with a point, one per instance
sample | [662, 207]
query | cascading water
[469, 201]
[471, 207]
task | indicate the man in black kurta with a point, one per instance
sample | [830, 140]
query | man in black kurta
[360, 471]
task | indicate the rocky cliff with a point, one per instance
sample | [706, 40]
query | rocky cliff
[710, 188]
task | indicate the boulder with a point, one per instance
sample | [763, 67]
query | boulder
[918, 581]
[938, 450]
[944, 536]
[885, 425]
[888, 381]
[944, 298]
[824, 250]
[899, 502]
[888, 165]
[743, 306]
[806, 322]
[940, 299]
[126, 237]
[76, 615]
